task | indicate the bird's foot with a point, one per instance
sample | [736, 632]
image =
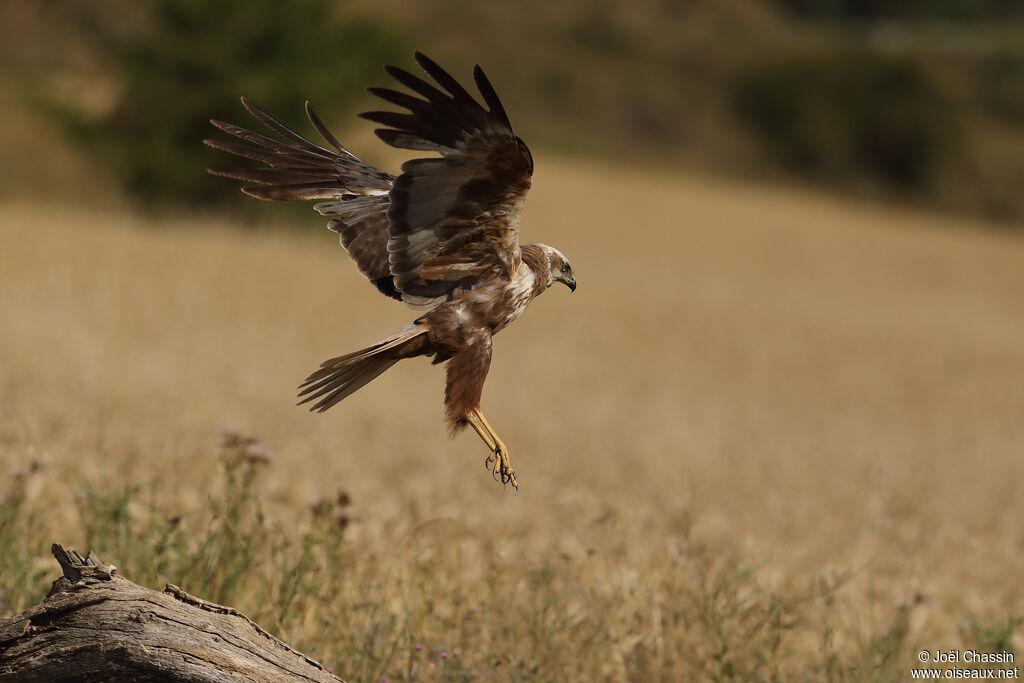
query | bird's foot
[497, 462]
[500, 466]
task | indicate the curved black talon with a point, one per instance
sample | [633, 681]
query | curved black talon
[500, 472]
[508, 475]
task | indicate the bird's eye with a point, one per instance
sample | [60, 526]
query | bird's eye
[565, 267]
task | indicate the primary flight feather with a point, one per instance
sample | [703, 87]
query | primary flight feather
[443, 236]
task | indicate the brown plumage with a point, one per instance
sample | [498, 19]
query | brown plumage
[443, 236]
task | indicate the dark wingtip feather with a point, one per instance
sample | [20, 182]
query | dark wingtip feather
[490, 96]
[322, 129]
[445, 79]
[416, 84]
[398, 98]
[220, 172]
[250, 191]
[253, 109]
[405, 140]
[396, 72]
[426, 63]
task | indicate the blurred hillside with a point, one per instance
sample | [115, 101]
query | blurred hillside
[918, 102]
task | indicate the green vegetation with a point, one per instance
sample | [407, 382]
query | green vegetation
[22, 578]
[394, 615]
[916, 101]
[194, 61]
[907, 10]
[852, 115]
[229, 551]
[999, 80]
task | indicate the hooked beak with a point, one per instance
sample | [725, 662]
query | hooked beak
[571, 284]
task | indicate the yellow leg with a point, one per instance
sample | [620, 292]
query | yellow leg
[498, 461]
[479, 428]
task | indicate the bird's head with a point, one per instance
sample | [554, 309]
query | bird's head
[559, 268]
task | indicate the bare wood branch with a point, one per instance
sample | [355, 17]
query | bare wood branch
[97, 625]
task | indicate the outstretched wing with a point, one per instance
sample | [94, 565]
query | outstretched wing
[300, 170]
[454, 220]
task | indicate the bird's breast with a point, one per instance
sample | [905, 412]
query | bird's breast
[516, 296]
[489, 307]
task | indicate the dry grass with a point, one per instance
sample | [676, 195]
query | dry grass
[769, 437]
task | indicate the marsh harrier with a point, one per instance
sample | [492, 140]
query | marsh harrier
[443, 236]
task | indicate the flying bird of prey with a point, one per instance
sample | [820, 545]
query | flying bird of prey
[443, 236]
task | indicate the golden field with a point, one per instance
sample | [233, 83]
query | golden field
[772, 436]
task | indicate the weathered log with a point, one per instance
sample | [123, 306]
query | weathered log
[96, 625]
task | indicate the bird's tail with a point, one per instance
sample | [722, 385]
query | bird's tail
[339, 377]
